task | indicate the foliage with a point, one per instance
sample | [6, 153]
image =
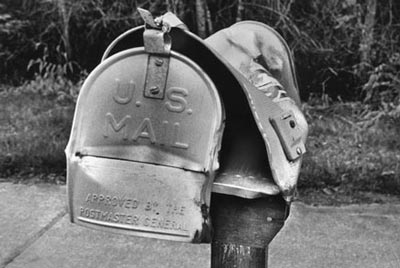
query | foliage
[352, 148]
[325, 36]
[33, 133]
[51, 80]
[15, 47]
[36, 119]
[383, 86]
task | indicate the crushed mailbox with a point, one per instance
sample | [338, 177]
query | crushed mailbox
[168, 118]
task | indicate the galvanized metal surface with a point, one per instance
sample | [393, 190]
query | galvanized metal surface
[248, 47]
[156, 76]
[138, 198]
[179, 131]
[290, 135]
[157, 43]
[144, 166]
[245, 186]
[148, 18]
[263, 44]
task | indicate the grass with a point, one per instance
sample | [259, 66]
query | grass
[350, 147]
[34, 129]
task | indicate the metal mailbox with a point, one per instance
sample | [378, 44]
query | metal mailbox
[144, 144]
[230, 58]
[152, 118]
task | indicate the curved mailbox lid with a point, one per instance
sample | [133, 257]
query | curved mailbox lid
[250, 46]
[260, 40]
[144, 166]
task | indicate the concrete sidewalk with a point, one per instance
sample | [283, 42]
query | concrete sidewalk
[35, 232]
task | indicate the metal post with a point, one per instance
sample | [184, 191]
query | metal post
[243, 228]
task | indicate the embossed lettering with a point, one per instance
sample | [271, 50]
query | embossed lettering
[175, 143]
[167, 134]
[111, 123]
[108, 200]
[124, 93]
[164, 137]
[115, 201]
[175, 210]
[146, 222]
[130, 219]
[145, 130]
[161, 223]
[135, 220]
[131, 203]
[108, 216]
[177, 102]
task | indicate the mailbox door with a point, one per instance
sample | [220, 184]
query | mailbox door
[139, 165]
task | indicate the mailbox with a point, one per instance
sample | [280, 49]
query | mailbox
[275, 146]
[275, 126]
[144, 143]
[167, 117]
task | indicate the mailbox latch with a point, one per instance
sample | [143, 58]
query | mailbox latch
[290, 135]
[157, 43]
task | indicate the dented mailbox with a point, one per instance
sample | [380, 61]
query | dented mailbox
[144, 143]
[152, 118]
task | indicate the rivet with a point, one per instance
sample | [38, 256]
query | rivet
[299, 151]
[154, 90]
[269, 219]
[292, 124]
[159, 62]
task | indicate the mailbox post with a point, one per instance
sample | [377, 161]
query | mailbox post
[243, 228]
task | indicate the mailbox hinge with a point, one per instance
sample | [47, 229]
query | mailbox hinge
[157, 43]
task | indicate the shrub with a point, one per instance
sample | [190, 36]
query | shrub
[352, 148]
[37, 121]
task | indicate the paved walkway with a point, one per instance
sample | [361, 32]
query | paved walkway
[35, 232]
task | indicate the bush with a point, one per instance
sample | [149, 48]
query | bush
[352, 148]
[37, 121]
[327, 37]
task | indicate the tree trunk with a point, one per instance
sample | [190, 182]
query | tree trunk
[65, 16]
[367, 34]
[240, 10]
[201, 18]
[208, 17]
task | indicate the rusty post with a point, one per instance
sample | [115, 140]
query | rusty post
[243, 229]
